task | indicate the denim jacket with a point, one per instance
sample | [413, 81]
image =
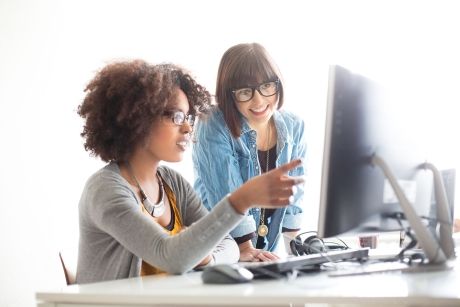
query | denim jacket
[223, 163]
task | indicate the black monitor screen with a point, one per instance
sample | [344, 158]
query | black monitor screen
[355, 196]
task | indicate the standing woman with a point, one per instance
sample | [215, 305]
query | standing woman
[245, 136]
[137, 217]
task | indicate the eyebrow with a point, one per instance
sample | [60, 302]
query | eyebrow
[175, 109]
[254, 84]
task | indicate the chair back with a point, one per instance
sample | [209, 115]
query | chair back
[70, 276]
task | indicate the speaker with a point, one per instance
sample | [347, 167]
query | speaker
[312, 244]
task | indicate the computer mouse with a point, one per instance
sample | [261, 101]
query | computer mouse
[226, 274]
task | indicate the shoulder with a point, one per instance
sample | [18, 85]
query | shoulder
[108, 175]
[212, 126]
[105, 188]
[290, 117]
[107, 183]
[214, 119]
[292, 121]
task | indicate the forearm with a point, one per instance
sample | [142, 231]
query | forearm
[292, 220]
[245, 245]
[186, 250]
[239, 202]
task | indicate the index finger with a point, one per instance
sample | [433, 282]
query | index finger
[290, 165]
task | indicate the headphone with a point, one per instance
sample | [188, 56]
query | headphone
[314, 245]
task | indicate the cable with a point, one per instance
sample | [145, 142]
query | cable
[322, 252]
[409, 259]
[399, 216]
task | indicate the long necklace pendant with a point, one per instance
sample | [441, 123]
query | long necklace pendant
[262, 230]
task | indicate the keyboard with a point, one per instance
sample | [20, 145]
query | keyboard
[305, 263]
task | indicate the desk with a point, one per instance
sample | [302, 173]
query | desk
[440, 288]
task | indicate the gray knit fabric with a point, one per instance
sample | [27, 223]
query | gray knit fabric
[115, 235]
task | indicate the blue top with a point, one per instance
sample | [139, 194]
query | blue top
[223, 163]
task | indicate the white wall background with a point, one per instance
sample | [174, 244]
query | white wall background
[50, 49]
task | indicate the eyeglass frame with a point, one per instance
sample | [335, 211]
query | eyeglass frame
[189, 118]
[257, 87]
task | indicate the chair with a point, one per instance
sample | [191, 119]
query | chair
[70, 276]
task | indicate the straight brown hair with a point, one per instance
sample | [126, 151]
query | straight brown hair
[243, 65]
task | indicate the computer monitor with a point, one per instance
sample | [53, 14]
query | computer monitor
[372, 168]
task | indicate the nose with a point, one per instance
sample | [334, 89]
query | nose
[186, 128]
[257, 97]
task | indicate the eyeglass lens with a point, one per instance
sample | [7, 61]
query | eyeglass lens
[266, 89]
[179, 118]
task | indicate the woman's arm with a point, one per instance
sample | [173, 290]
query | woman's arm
[110, 207]
[293, 217]
[115, 211]
[193, 210]
[217, 170]
[215, 165]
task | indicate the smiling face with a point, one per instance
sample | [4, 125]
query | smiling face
[259, 109]
[243, 66]
[168, 141]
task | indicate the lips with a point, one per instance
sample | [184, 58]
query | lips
[183, 144]
[259, 111]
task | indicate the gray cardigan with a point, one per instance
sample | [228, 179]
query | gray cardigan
[115, 235]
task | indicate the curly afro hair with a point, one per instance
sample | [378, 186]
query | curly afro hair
[125, 98]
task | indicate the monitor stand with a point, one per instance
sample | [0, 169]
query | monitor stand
[344, 269]
[436, 252]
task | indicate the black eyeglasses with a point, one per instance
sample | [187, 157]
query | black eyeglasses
[265, 89]
[179, 118]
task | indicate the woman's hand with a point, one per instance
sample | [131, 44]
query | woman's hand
[273, 189]
[251, 254]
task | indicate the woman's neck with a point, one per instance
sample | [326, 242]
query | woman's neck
[266, 135]
[143, 168]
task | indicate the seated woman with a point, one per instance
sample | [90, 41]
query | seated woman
[137, 217]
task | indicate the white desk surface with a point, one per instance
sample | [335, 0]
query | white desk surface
[441, 288]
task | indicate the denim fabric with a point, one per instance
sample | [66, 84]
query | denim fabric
[223, 163]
